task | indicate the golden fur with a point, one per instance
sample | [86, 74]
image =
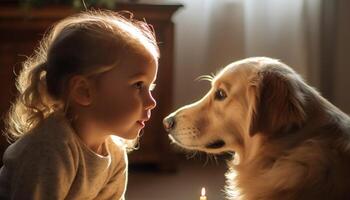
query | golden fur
[289, 142]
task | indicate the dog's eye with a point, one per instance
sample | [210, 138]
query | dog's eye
[220, 94]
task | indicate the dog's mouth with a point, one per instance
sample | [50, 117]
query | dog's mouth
[181, 144]
[216, 144]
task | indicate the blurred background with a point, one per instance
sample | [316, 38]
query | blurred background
[197, 37]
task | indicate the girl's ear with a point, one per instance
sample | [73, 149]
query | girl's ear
[81, 90]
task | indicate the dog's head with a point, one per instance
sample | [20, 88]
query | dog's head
[252, 98]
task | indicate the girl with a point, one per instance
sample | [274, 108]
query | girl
[85, 92]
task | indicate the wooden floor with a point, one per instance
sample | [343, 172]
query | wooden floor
[185, 184]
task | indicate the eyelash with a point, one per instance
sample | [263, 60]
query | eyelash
[152, 87]
[139, 85]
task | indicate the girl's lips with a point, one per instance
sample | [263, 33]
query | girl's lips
[142, 123]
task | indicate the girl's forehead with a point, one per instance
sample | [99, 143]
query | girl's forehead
[147, 69]
[135, 66]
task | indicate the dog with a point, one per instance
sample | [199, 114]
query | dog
[289, 142]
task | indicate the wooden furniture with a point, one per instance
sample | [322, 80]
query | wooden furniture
[20, 31]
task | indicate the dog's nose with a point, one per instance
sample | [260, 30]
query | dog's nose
[169, 123]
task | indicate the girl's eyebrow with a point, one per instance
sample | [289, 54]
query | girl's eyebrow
[138, 75]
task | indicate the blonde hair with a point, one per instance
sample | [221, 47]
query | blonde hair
[88, 43]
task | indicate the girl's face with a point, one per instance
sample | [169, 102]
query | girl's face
[123, 99]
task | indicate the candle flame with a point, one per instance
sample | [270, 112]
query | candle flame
[203, 191]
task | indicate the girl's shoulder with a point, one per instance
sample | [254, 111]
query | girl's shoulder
[52, 134]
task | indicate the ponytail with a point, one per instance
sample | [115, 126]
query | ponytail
[32, 104]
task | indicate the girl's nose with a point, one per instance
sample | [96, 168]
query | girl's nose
[150, 102]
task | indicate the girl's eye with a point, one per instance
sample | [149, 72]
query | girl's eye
[220, 95]
[139, 85]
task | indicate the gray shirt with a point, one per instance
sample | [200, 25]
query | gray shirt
[51, 162]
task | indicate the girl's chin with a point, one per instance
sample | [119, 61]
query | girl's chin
[133, 133]
[131, 137]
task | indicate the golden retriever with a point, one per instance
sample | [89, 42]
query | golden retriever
[289, 142]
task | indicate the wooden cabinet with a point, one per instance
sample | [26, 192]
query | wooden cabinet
[20, 31]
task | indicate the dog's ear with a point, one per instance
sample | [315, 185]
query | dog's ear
[279, 104]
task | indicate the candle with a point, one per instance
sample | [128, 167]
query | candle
[203, 197]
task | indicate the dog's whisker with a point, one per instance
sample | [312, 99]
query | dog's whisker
[210, 158]
[194, 153]
[206, 160]
[215, 159]
[205, 78]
